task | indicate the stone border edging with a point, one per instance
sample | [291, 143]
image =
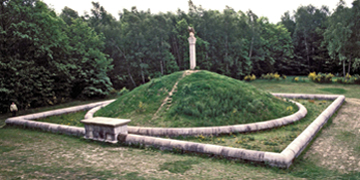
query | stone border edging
[282, 160]
[52, 127]
[92, 111]
[214, 130]
[294, 149]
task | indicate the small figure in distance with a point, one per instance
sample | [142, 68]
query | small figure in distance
[13, 109]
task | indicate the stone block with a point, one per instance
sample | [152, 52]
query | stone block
[105, 129]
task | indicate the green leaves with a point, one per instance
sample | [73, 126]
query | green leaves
[42, 58]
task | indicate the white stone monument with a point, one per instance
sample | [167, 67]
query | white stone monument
[192, 50]
[105, 129]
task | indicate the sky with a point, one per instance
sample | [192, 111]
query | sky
[272, 9]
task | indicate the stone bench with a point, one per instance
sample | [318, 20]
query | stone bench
[105, 129]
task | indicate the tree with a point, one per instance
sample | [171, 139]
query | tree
[69, 15]
[34, 70]
[288, 21]
[340, 36]
[307, 37]
[89, 63]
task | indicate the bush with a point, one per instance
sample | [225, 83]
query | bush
[270, 76]
[250, 77]
[321, 77]
[355, 79]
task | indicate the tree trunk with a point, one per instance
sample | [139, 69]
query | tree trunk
[161, 67]
[344, 68]
[142, 72]
[128, 68]
[161, 63]
[251, 47]
[349, 65]
[307, 51]
[131, 78]
[177, 52]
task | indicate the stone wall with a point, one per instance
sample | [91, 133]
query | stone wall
[283, 159]
[25, 121]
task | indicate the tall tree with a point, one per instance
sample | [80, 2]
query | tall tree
[306, 37]
[33, 48]
[340, 35]
[288, 21]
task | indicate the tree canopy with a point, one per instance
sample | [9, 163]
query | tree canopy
[47, 58]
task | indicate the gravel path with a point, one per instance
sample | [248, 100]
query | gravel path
[338, 146]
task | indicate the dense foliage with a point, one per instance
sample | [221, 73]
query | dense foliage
[47, 58]
[44, 60]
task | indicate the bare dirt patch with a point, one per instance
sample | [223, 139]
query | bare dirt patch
[338, 146]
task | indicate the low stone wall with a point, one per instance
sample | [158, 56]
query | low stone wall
[294, 149]
[52, 127]
[216, 130]
[283, 159]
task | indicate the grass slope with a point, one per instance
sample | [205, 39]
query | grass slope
[202, 99]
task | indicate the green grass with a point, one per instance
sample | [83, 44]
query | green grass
[178, 166]
[334, 90]
[273, 140]
[32, 154]
[141, 103]
[71, 119]
[307, 87]
[21, 112]
[39, 155]
[202, 99]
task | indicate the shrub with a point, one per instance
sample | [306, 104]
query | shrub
[320, 77]
[250, 77]
[296, 79]
[270, 76]
[312, 76]
[355, 79]
[341, 80]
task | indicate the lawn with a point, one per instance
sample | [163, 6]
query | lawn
[306, 87]
[33, 154]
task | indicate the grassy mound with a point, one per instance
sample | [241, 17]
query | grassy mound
[202, 99]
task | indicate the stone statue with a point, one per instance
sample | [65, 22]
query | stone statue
[191, 30]
[192, 50]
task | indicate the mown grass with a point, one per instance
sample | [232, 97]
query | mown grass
[273, 140]
[307, 87]
[21, 112]
[141, 103]
[71, 119]
[202, 99]
[32, 154]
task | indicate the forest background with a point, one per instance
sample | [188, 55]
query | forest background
[47, 58]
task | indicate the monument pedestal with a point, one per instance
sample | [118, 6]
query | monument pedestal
[192, 51]
[105, 129]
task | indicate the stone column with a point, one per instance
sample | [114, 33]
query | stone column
[192, 51]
